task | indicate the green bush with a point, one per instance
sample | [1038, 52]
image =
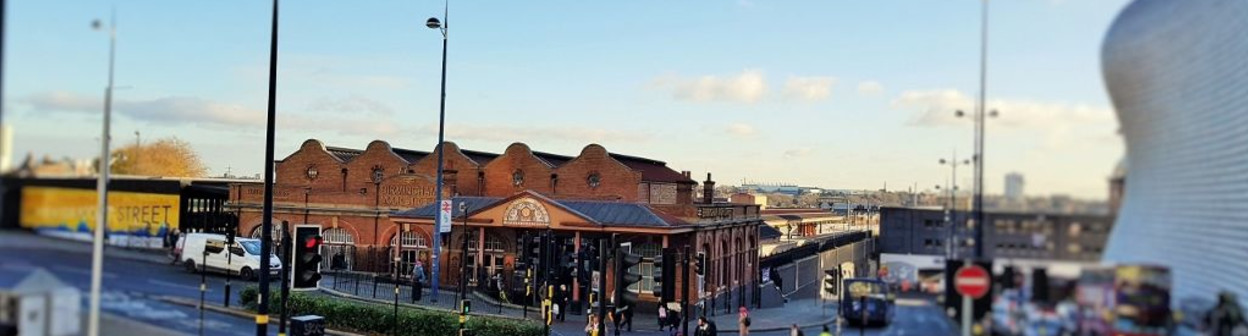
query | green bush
[372, 318]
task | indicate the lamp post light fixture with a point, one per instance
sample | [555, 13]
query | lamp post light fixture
[434, 23]
[104, 164]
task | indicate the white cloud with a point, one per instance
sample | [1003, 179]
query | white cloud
[741, 130]
[235, 117]
[809, 88]
[1057, 121]
[513, 133]
[870, 89]
[798, 152]
[748, 87]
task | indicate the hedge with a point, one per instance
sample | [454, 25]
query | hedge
[366, 318]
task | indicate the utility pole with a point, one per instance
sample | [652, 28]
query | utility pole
[684, 297]
[979, 135]
[266, 228]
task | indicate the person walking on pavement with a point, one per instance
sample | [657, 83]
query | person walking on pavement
[1227, 318]
[826, 331]
[795, 331]
[743, 321]
[418, 280]
[562, 300]
[662, 316]
[705, 327]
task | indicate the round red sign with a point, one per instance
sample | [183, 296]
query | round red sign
[973, 281]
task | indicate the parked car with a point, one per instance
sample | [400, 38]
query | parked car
[207, 251]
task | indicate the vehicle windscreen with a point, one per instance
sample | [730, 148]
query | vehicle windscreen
[870, 289]
[252, 247]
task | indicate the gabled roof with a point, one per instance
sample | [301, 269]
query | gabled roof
[472, 205]
[343, 154]
[651, 170]
[599, 212]
[411, 156]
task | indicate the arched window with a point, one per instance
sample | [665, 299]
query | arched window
[414, 244]
[726, 270]
[339, 250]
[276, 231]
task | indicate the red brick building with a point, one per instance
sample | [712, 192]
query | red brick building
[363, 199]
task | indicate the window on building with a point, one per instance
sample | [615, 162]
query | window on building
[648, 252]
[1075, 229]
[413, 244]
[517, 178]
[1074, 248]
[338, 244]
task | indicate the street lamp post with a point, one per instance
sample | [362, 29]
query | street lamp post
[101, 217]
[434, 23]
[951, 212]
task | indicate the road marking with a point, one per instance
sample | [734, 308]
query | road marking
[175, 285]
[68, 269]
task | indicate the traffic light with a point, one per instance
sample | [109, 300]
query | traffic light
[308, 263]
[665, 285]
[699, 264]
[829, 281]
[626, 277]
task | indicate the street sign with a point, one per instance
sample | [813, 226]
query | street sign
[444, 216]
[973, 281]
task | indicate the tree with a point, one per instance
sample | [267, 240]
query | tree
[165, 157]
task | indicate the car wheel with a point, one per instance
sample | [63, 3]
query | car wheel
[247, 273]
[190, 266]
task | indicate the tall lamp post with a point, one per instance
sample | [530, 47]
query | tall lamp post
[979, 116]
[951, 212]
[434, 23]
[101, 217]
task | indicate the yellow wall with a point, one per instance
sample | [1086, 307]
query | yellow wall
[74, 210]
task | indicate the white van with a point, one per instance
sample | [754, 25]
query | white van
[208, 249]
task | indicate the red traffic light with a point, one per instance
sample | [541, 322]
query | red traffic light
[312, 242]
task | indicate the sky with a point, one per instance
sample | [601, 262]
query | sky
[835, 94]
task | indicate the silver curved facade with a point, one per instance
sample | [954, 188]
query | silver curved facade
[1177, 72]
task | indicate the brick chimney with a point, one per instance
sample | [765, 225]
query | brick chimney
[708, 190]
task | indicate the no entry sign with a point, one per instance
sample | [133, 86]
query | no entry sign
[973, 281]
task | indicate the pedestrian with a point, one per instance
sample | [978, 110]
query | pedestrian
[743, 321]
[591, 327]
[795, 331]
[1227, 318]
[628, 318]
[705, 327]
[826, 331]
[338, 262]
[418, 281]
[662, 316]
[562, 300]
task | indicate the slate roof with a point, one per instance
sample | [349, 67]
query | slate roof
[600, 212]
[473, 203]
[651, 170]
[343, 154]
[768, 232]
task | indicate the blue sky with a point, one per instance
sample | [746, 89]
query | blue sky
[838, 94]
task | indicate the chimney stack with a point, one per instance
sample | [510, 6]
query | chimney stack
[708, 191]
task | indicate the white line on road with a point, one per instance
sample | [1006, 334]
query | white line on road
[175, 285]
[68, 269]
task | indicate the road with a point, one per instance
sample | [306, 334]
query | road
[130, 288]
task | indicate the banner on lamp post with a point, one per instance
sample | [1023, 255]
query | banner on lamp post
[444, 217]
